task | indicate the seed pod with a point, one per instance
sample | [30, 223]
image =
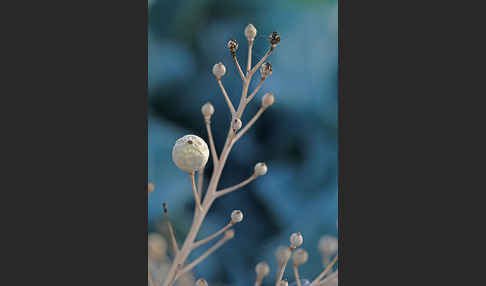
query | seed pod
[250, 32]
[328, 245]
[265, 70]
[236, 216]
[274, 39]
[260, 169]
[296, 239]
[207, 110]
[262, 269]
[190, 153]
[267, 99]
[201, 282]
[300, 256]
[219, 70]
[232, 46]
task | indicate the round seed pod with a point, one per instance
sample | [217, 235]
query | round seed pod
[267, 99]
[262, 269]
[274, 39]
[236, 216]
[328, 245]
[207, 110]
[266, 70]
[232, 46]
[201, 282]
[300, 256]
[250, 32]
[219, 70]
[190, 153]
[260, 169]
[296, 239]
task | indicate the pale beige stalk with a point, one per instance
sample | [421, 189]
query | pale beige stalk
[213, 236]
[282, 269]
[323, 273]
[296, 274]
[211, 192]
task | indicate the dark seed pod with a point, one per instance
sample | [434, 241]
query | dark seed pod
[274, 38]
[232, 46]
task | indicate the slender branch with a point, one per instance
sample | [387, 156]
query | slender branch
[211, 145]
[194, 189]
[257, 66]
[171, 231]
[200, 181]
[210, 196]
[282, 269]
[250, 46]
[326, 271]
[249, 124]
[235, 187]
[243, 78]
[329, 278]
[211, 237]
[255, 91]
[296, 274]
[226, 97]
[203, 256]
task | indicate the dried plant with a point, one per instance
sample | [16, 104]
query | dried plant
[191, 154]
[327, 277]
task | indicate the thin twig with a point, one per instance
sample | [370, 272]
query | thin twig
[282, 270]
[203, 256]
[175, 272]
[250, 46]
[211, 144]
[328, 279]
[257, 66]
[249, 124]
[173, 240]
[243, 78]
[200, 181]
[226, 97]
[323, 273]
[194, 189]
[235, 187]
[255, 91]
[296, 274]
[211, 237]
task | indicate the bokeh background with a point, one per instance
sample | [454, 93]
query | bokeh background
[296, 137]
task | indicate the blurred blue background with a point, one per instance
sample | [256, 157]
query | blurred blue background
[296, 137]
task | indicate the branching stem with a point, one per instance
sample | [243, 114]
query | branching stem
[226, 97]
[323, 273]
[235, 187]
[211, 237]
[212, 146]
